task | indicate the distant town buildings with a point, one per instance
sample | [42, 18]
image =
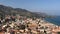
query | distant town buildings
[23, 25]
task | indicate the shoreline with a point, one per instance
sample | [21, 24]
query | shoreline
[51, 21]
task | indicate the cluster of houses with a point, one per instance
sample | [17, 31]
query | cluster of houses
[23, 25]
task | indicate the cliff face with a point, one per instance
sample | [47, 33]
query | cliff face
[6, 10]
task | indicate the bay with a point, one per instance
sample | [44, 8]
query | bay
[55, 20]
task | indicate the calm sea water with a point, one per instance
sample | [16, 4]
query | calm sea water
[55, 20]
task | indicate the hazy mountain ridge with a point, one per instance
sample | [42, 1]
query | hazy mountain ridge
[6, 10]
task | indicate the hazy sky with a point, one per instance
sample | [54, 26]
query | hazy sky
[47, 6]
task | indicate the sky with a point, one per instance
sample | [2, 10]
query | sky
[51, 7]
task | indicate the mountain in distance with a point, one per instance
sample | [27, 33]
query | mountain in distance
[6, 10]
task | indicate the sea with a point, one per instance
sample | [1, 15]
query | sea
[55, 20]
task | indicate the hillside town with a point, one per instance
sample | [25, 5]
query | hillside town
[23, 25]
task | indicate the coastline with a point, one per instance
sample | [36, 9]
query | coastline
[53, 21]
